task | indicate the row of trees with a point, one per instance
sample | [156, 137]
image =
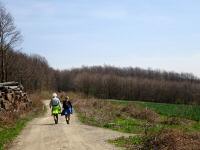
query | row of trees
[138, 72]
[35, 74]
[132, 84]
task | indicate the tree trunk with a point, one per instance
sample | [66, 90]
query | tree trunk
[6, 66]
[2, 65]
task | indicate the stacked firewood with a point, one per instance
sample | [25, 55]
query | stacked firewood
[13, 98]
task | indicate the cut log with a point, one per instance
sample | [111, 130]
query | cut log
[9, 84]
[12, 87]
[13, 98]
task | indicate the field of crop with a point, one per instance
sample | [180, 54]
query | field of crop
[174, 110]
[191, 112]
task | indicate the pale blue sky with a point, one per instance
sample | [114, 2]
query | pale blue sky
[160, 34]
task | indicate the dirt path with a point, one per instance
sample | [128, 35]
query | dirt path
[42, 134]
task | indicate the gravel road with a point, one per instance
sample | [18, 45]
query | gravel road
[42, 134]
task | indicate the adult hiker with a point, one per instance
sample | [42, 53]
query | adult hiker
[67, 109]
[56, 107]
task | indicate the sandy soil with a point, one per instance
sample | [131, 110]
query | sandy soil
[43, 134]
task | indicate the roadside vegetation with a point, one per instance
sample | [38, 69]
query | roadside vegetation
[12, 124]
[9, 131]
[153, 128]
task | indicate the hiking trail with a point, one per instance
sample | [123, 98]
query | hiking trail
[42, 134]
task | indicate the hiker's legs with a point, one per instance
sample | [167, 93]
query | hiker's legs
[67, 117]
[56, 118]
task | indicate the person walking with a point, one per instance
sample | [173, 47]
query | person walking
[67, 109]
[55, 106]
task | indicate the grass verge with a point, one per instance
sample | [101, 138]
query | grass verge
[9, 131]
[131, 142]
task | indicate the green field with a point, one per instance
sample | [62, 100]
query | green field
[184, 118]
[170, 110]
[174, 110]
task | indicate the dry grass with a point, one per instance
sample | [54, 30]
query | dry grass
[172, 140]
[37, 105]
[140, 113]
[7, 118]
[103, 112]
[168, 139]
[177, 121]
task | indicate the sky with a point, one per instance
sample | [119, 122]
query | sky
[157, 34]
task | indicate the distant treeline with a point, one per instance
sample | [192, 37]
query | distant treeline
[132, 84]
[105, 82]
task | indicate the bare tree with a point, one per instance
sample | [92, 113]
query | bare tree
[9, 38]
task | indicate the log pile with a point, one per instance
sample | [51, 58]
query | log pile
[13, 99]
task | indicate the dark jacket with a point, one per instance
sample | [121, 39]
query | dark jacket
[67, 104]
